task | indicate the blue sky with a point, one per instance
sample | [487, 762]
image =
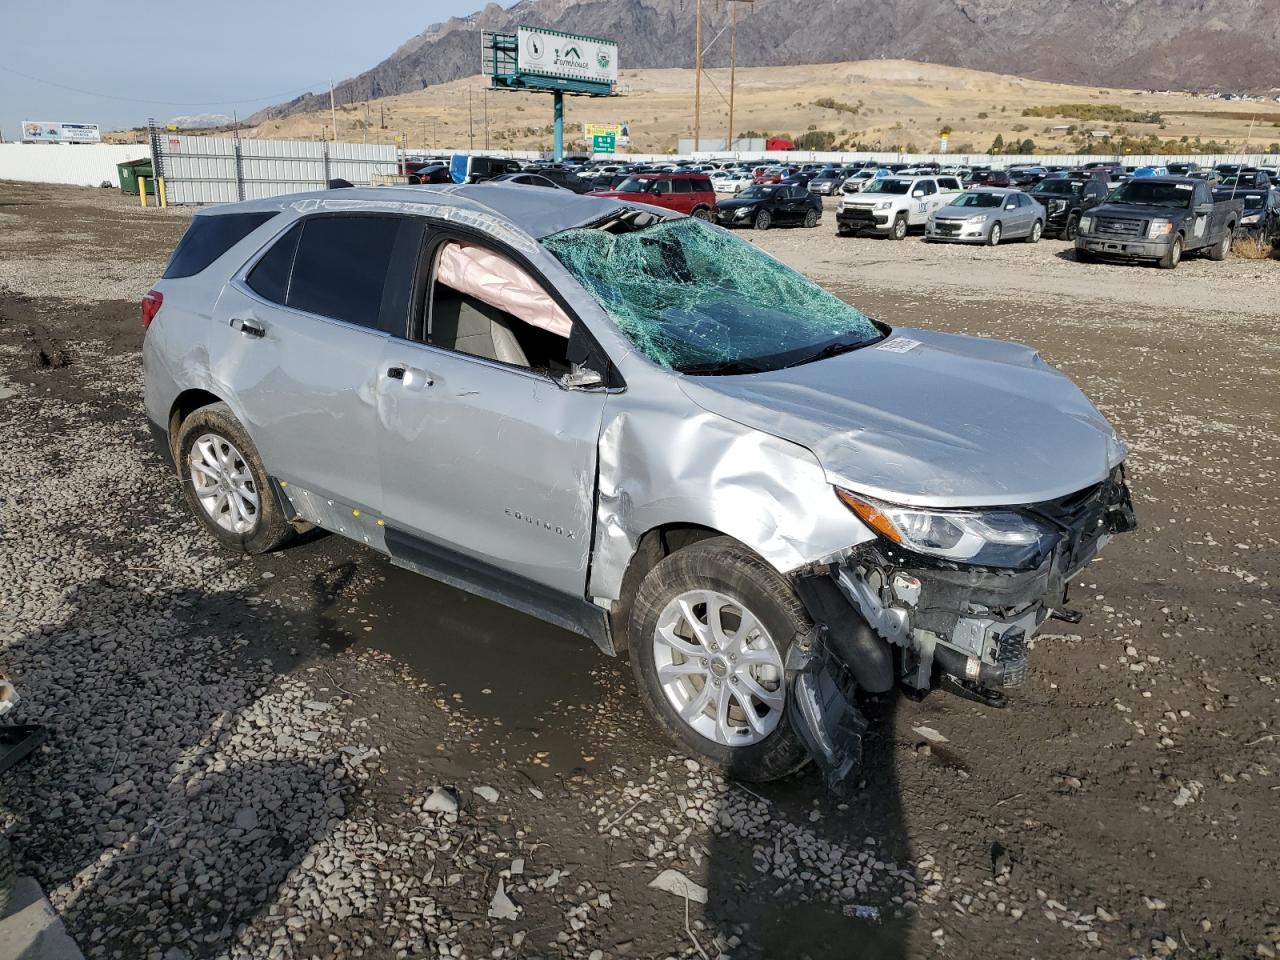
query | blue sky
[180, 58]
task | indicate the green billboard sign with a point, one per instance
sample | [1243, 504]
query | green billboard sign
[604, 143]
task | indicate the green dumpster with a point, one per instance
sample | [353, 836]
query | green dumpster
[130, 171]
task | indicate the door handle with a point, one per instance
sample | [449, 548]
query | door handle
[250, 328]
[413, 378]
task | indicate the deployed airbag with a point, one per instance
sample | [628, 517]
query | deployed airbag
[495, 280]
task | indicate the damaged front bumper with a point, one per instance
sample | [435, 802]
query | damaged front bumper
[927, 623]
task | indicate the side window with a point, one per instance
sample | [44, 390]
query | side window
[485, 304]
[703, 185]
[949, 183]
[208, 238]
[1202, 193]
[340, 269]
[269, 277]
[682, 185]
[927, 187]
[661, 188]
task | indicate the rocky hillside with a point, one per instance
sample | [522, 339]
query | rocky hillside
[1179, 44]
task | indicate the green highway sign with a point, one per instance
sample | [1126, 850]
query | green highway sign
[604, 143]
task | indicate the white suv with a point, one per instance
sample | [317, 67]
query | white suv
[892, 205]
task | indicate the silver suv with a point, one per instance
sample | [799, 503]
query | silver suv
[636, 426]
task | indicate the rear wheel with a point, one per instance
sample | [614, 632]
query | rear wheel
[710, 629]
[226, 485]
[1220, 249]
[1036, 231]
[702, 213]
[8, 875]
[993, 238]
[1172, 256]
[763, 221]
[811, 218]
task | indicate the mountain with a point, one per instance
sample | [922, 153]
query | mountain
[1205, 45]
[200, 121]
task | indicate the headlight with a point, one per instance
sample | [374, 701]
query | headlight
[989, 538]
[977, 218]
[741, 212]
[884, 204]
[1159, 228]
[1252, 218]
[1086, 224]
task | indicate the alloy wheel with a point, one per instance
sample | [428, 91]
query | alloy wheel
[719, 668]
[224, 484]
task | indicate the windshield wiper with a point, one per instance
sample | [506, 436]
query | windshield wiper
[724, 368]
[831, 350]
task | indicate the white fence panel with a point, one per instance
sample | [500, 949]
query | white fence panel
[224, 169]
[85, 165]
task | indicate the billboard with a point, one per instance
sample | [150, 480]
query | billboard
[550, 53]
[41, 131]
[621, 132]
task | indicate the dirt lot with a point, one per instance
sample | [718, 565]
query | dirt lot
[316, 754]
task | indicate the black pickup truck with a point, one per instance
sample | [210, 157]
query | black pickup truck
[1160, 219]
[1065, 200]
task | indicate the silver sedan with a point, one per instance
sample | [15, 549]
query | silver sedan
[987, 216]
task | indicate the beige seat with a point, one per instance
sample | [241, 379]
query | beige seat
[468, 325]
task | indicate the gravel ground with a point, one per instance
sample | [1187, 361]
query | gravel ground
[315, 754]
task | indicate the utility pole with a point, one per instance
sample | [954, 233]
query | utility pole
[365, 138]
[471, 119]
[333, 111]
[697, 75]
[486, 119]
[733, 67]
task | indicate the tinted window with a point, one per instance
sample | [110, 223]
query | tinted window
[208, 238]
[682, 186]
[703, 185]
[341, 266]
[270, 276]
[949, 183]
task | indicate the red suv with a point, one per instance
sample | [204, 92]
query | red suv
[689, 193]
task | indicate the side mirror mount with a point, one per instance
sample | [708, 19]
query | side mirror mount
[917, 193]
[583, 378]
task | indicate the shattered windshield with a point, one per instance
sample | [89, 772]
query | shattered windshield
[888, 186]
[695, 299]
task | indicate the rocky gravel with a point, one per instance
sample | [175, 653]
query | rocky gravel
[315, 754]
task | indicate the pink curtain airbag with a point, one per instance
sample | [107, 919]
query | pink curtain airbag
[497, 281]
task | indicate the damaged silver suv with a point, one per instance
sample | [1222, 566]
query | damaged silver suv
[636, 426]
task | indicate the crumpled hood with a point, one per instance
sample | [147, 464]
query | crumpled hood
[931, 419]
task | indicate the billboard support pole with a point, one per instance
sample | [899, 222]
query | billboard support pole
[557, 108]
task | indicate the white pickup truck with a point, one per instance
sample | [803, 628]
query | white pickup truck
[893, 205]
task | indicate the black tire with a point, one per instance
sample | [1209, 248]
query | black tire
[8, 875]
[811, 218]
[763, 220]
[899, 229]
[270, 529]
[1085, 256]
[1172, 256]
[1220, 249]
[702, 213]
[1037, 231]
[724, 565]
[1071, 229]
[843, 231]
[994, 234]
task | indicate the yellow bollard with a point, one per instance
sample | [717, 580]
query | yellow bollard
[142, 190]
[164, 200]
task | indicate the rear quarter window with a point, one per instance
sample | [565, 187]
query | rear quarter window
[208, 238]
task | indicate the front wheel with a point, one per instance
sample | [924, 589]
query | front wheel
[843, 231]
[899, 230]
[811, 218]
[763, 221]
[226, 485]
[1036, 231]
[993, 238]
[710, 629]
[1072, 228]
[1172, 256]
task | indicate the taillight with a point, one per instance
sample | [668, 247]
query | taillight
[151, 305]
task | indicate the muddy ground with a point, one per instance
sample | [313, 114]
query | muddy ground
[279, 756]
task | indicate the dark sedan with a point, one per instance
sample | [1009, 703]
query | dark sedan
[1261, 211]
[765, 205]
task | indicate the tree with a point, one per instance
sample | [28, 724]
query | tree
[815, 140]
[997, 145]
[1026, 146]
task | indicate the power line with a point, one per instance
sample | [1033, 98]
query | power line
[164, 103]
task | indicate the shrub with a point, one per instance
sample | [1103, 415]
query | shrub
[1107, 112]
[1252, 248]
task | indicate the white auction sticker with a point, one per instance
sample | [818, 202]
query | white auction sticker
[899, 345]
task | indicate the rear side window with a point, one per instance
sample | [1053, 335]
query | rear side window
[208, 238]
[270, 276]
[682, 186]
[340, 268]
[703, 185]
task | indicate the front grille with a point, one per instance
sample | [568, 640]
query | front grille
[1117, 227]
[949, 228]
[1089, 513]
[861, 214]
